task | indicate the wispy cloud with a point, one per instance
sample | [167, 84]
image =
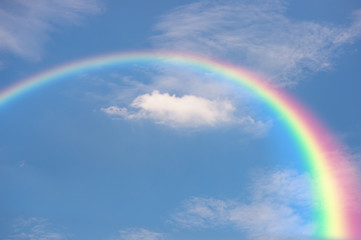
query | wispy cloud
[257, 34]
[35, 229]
[286, 186]
[22, 163]
[187, 111]
[272, 213]
[25, 25]
[139, 234]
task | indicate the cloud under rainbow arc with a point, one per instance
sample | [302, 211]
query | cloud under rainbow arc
[337, 212]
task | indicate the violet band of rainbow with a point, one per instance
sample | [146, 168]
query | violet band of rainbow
[338, 214]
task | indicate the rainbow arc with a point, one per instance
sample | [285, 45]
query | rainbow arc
[338, 212]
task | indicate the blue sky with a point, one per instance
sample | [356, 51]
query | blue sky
[149, 151]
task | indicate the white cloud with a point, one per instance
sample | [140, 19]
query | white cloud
[24, 25]
[187, 111]
[34, 229]
[257, 34]
[139, 234]
[272, 213]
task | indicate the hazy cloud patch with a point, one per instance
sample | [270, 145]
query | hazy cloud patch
[25, 25]
[273, 211]
[257, 34]
[139, 234]
[35, 229]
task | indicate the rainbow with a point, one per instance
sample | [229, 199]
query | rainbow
[338, 211]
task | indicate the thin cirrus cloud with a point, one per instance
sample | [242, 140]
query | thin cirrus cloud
[139, 234]
[257, 34]
[35, 229]
[188, 111]
[272, 212]
[25, 25]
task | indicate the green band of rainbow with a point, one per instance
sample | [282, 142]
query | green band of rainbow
[338, 212]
